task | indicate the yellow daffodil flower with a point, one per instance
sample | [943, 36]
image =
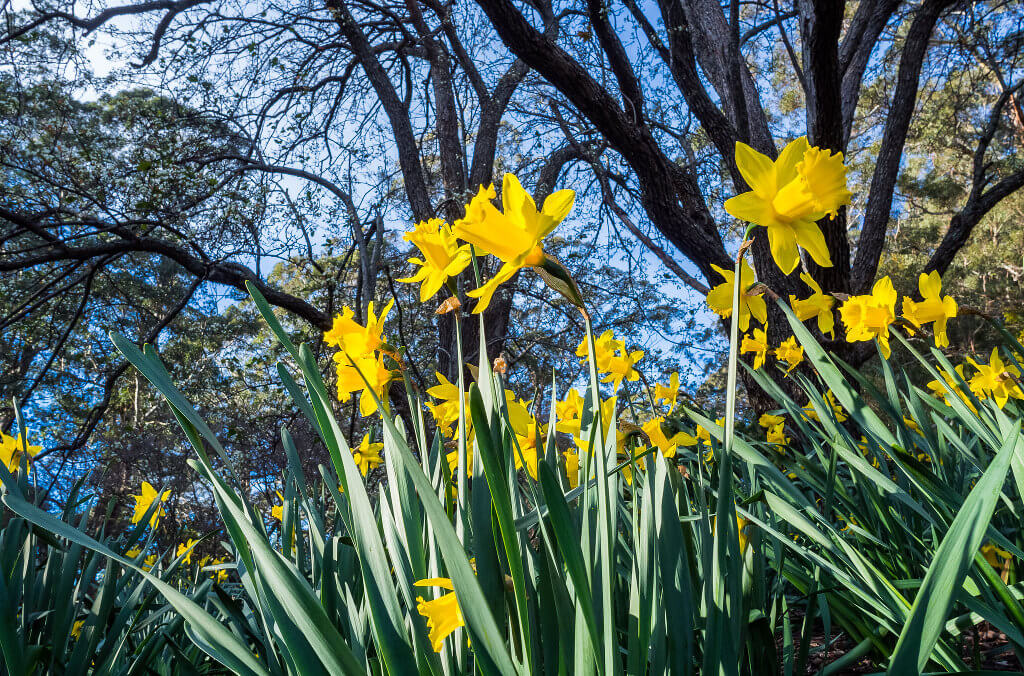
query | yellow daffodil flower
[221, 574]
[995, 555]
[612, 358]
[667, 394]
[995, 379]
[443, 613]
[912, 424]
[367, 455]
[667, 445]
[812, 414]
[569, 413]
[76, 628]
[934, 307]
[869, 317]
[720, 297]
[186, 547]
[147, 496]
[357, 341]
[756, 342]
[11, 451]
[442, 256]
[768, 420]
[350, 381]
[818, 305]
[950, 385]
[277, 511]
[572, 468]
[515, 235]
[788, 196]
[790, 352]
[741, 528]
[777, 435]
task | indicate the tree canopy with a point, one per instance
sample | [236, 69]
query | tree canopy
[288, 145]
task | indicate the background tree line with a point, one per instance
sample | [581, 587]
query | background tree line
[290, 144]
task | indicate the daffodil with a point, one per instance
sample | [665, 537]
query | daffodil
[76, 628]
[950, 385]
[350, 380]
[569, 413]
[812, 413]
[790, 352]
[818, 305]
[443, 613]
[934, 307]
[11, 451]
[367, 455]
[186, 549]
[442, 256]
[720, 297]
[355, 340]
[612, 358]
[667, 394]
[788, 196]
[572, 468]
[277, 511]
[147, 497]
[741, 528]
[869, 317]
[513, 235]
[220, 575]
[995, 555]
[995, 379]
[755, 342]
[777, 434]
[655, 431]
[768, 420]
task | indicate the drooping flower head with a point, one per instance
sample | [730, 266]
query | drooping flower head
[812, 413]
[354, 340]
[755, 342]
[818, 305]
[350, 380]
[442, 256]
[720, 297]
[950, 385]
[933, 308]
[572, 467]
[869, 317]
[147, 496]
[777, 435]
[11, 451]
[569, 413]
[186, 549]
[443, 613]
[612, 358]
[667, 394]
[367, 455]
[513, 235]
[995, 379]
[655, 431]
[277, 511]
[788, 196]
[790, 352]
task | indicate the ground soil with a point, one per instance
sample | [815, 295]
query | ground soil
[993, 649]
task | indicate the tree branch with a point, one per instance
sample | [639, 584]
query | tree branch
[887, 164]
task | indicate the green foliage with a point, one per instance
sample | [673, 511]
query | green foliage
[691, 563]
